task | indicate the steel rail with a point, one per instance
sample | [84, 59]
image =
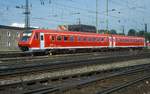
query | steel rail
[7, 58]
[13, 55]
[55, 88]
[117, 88]
[26, 68]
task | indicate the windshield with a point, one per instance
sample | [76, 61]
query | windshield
[26, 35]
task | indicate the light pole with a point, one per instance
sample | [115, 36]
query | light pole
[96, 16]
[27, 13]
[107, 16]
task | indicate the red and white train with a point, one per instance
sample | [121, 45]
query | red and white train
[51, 40]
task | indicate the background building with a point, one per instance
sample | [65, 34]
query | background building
[9, 37]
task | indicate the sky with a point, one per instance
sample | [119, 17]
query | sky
[51, 13]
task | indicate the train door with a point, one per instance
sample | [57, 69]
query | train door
[42, 41]
[114, 42]
[110, 41]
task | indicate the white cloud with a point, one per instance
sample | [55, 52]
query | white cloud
[18, 24]
[22, 25]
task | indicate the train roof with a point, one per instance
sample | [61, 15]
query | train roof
[127, 36]
[86, 33]
[66, 32]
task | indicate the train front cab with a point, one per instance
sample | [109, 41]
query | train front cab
[32, 41]
[25, 39]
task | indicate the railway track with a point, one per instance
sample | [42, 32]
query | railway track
[14, 54]
[66, 56]
[74, 85]
[54, 64]
[68, 86]
[124, 85]
[9, 71]
[17, 56]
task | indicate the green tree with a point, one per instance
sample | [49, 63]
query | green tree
[103, 31]
[147, 36]
[121, 34]
[141, 33]
[113, 31]
[132, 32]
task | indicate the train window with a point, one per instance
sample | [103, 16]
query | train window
[26, 35]
[127, 40]
[93, 39]
[65, 38]
[136, 40]
[59, 38]
[119, 40]
[53, 38]
[102, 39]
[36, 36]
[42, 37]
[107, 39]
[98, 39]
[89, 39]
[79, 38]
[84, 39]
[139, 40]
[71, 38]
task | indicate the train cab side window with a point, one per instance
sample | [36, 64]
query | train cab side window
[36, 36]
[53, 38]
[59, 38]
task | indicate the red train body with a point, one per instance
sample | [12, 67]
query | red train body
[47, 40]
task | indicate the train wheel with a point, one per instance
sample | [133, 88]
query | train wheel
[24, 48]
[50, 53]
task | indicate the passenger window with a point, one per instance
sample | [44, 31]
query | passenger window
[98, 39]
[53, 38]
[102, 39]
[89, 39]
[59, 38]
[65, 38]
[79, 38]
[84, 39]
[106, 39]
[71, 38]
[93, 39]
